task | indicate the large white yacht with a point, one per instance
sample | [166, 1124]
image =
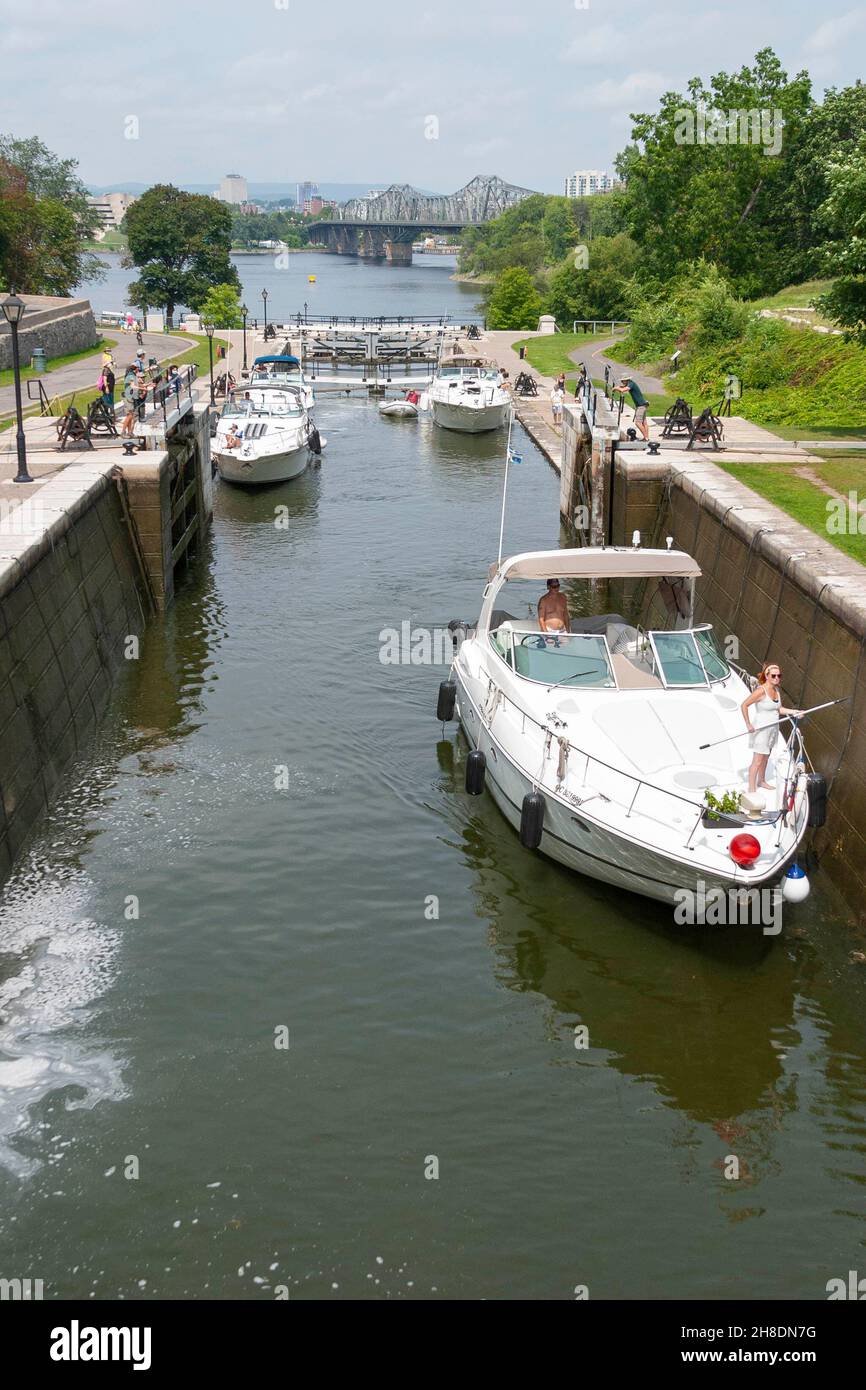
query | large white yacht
[599, 745]
[467, 394]
[264, 435]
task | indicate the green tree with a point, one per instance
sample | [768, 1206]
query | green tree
[44, 220]
[558, 229]
[514, 302]
[180, 243]
[708, 191]
[600, 288]
[844, 213]
[828, 135]
[221, 306]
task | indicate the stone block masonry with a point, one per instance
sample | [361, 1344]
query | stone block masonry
[60, 326]
[69, 600]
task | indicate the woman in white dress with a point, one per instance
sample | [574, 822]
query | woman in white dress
[766, 703]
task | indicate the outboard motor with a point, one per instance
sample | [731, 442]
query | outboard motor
[816, 786]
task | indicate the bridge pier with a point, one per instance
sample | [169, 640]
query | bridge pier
[398, 252]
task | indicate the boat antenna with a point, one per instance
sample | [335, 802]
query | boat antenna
[505, 483]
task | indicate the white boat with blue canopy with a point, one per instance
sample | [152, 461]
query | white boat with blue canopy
[264, 434]
[283, 370]
[600, 743]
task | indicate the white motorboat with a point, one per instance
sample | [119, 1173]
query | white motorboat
[599, 745]
[400, 410]
[275, 436]
[281, 369]
[467, 394]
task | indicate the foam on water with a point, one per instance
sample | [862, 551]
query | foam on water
[57, 963]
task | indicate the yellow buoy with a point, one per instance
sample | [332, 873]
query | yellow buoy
[312, 279]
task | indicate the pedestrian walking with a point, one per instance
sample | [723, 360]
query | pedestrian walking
[556, 400]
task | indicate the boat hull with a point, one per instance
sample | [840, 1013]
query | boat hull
[469, 419]
[572, 839]
[273, 468]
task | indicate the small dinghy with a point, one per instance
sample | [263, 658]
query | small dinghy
[400, 409]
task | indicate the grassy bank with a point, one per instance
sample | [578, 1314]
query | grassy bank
[792, 487]
[552, 354]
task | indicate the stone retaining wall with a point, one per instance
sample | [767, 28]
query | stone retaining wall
[62, 327]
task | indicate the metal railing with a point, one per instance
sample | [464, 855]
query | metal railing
[639, 783]
[591, 325]
[167, 395]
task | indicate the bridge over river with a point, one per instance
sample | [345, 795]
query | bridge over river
[385, 226]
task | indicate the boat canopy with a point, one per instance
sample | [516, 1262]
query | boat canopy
[284, 361]
[592, 562]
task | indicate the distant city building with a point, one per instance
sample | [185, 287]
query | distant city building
[110, 209]
[306, 192]
[251, 207]
[313, 206]
[233, 189]
[587, 181]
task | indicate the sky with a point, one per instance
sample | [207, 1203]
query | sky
[378, 91]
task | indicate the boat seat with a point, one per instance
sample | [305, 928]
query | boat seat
[632, 675]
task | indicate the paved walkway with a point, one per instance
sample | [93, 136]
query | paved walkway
[84, 374]
[596, 360]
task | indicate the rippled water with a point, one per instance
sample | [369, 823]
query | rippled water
[282, 805]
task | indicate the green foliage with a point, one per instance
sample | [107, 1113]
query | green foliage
[726, 805]
[514, 302]
[221, 306]
[844, 213]
[558, 229]
[717, 198]
[45, 220]
[180, 243]
[251, 227]
[601, 289]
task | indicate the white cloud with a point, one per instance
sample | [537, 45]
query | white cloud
[596, 45]
[833, 34]
[628, 93]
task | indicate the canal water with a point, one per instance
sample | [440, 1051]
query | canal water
[271, 845]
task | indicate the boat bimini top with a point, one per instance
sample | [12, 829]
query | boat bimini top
[587, 562]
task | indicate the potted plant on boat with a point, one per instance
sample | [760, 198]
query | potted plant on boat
[723, 810]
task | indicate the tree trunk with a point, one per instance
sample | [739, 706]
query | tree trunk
[752, 200]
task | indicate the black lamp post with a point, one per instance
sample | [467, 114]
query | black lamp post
[13, 309]
[208, 328]
[305, 311]
[265, 302]
[245, 311]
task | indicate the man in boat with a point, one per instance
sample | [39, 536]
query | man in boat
[234, 438]
[553, 609]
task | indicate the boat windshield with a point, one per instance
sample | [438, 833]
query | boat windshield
[274, 403]
[455, 373]
[689, 657]
[578, 659]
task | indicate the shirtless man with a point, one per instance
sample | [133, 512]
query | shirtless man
[553, 609]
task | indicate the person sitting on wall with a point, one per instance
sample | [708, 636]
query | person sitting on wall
[553, 609]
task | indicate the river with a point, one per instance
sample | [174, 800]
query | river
[234, 1035]
[342, 284]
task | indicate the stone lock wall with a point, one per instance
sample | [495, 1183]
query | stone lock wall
[63, 627]
[60, 326]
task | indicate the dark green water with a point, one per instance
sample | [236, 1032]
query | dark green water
[304, 908]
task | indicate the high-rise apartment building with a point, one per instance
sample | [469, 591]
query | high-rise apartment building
[586, 181]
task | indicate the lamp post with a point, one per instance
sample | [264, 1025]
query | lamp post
[208, 328]
[305, 311]
[245, 311]
[265, 302]
[13, 309]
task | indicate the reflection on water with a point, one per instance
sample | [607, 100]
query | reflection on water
[281, 805]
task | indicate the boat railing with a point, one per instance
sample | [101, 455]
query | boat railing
[639, 783]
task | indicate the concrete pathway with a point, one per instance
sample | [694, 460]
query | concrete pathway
[596, 360]
[84, 374]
